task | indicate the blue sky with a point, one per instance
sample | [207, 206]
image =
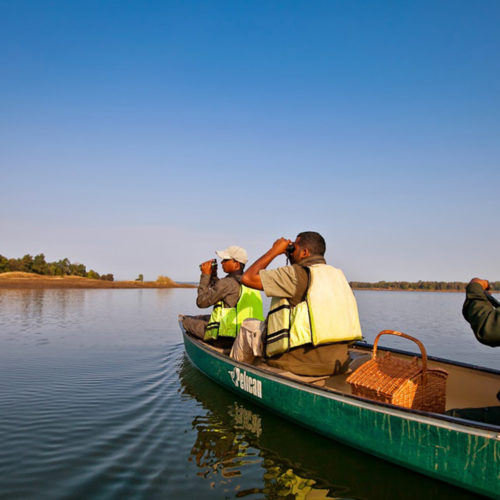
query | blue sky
[138, 137]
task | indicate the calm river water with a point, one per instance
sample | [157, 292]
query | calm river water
[97, 400]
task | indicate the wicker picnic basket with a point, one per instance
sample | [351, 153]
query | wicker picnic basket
[400, 382]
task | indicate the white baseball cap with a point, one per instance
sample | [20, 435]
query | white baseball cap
[237, 253]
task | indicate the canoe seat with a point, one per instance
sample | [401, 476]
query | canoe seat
[358, 359]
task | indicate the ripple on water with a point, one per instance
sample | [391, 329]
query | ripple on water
[104, 418]
[109, 407]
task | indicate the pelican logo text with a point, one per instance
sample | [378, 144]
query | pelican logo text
[249, 384]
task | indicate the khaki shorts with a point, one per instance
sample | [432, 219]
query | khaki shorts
[331, 359]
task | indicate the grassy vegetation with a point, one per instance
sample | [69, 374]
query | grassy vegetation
[18, 279]
[165, 281]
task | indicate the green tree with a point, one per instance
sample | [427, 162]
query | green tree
[39, 265]
[64, 266]
[4, 264]
[93, 275]
[14, 265]
[81, 270]
[140, 278]
[52, 269]
[26, 263]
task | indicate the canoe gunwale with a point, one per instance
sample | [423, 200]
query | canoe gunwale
[489, 431]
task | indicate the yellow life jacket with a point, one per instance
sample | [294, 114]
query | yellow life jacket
[226, 321]
[328, 314]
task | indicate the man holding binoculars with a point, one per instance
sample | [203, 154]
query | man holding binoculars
[313, 315]
[232, 301]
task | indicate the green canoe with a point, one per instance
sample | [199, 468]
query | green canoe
[451, 447]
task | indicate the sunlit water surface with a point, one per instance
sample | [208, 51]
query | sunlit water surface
[97, 400]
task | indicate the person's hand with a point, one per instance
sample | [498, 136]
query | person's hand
[280, 246]
[206, 267]
[484, 283]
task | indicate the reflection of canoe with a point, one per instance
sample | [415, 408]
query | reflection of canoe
[463, 452]
[323, 464]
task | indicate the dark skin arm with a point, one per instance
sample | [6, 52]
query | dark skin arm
[251, 276]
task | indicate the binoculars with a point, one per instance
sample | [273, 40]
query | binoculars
[290, 248]
[214, 265]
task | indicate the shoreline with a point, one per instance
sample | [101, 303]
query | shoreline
[417, 290]
[407, 290]
[30, 280]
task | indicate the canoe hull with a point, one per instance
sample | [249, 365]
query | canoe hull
[465, 456]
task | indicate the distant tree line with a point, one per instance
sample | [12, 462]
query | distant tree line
[419, 285]
[38, 265]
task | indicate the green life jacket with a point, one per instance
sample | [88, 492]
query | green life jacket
[328, 314]
[226, 321]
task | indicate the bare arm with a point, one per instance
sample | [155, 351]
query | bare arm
[251, 276]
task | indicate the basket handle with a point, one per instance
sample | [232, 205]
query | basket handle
[400, 334]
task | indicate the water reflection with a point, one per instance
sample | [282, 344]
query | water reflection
[87, 317]
[37, 306]
[243, 447]
[227, 442]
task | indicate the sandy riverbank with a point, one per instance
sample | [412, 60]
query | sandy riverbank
[31, 280]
